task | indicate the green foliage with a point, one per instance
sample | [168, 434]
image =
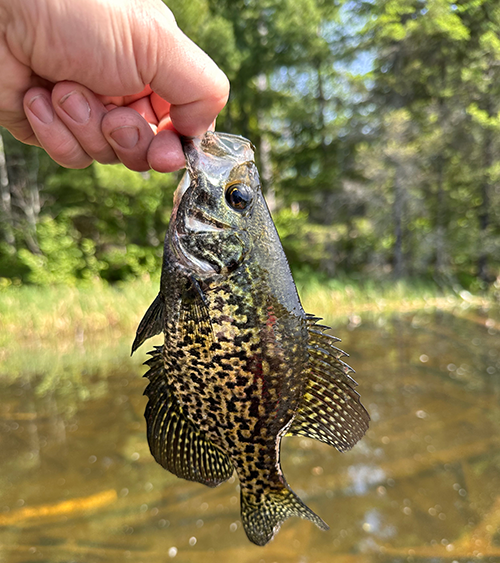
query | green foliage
[377, 133]
[103, 222]
[304, 243]
[60, 260]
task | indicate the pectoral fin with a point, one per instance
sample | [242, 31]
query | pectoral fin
[175, 442]
[194, 321]
[331, 410]
[151, 324]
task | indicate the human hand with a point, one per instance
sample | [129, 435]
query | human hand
[105, 80]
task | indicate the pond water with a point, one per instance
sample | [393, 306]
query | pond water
[78, 484]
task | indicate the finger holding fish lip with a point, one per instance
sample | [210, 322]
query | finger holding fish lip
[165, 152]
[75, 127]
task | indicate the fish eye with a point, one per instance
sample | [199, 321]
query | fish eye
[238, 196]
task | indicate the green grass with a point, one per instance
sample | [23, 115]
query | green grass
[341, 299]
[62, 337]
[46, 314]
[63, 331]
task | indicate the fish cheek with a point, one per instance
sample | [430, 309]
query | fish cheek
[234, 250]
[223, 251]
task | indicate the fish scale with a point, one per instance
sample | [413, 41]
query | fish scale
[238, 344]
[242, 364]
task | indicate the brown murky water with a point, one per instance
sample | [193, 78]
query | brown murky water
[77, 482]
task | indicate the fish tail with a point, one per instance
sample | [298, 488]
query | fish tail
[263, 517]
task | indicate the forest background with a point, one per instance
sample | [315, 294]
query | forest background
[377, 130]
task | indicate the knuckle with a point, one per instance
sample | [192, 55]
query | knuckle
[69, 154]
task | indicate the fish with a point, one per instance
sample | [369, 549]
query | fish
[242, 365]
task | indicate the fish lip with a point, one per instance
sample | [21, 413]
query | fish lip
[190, 153]
[232, 148]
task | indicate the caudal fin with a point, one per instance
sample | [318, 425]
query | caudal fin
[262, 519]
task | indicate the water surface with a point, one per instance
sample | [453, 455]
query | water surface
[78, 484]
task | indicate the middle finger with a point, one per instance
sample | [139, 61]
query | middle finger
[82, 113]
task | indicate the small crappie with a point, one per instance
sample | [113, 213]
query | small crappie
[242, 364]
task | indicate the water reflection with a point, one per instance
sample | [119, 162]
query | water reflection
[77, 482]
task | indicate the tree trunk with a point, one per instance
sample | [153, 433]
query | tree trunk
[6, 200]
[440, 228]
[441, 257]
[484, 217]
[398, 209]
[321, 111]
[486, 187]
[266, 167]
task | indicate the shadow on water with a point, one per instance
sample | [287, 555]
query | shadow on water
[77, 482]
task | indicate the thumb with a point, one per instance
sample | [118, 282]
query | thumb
[116, 48]
[181, 73]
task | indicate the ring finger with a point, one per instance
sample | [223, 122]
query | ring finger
[82, 113]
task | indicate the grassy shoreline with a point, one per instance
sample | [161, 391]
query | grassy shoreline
[30, 313]
[72, 332]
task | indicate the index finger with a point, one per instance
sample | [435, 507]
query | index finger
[119, 101]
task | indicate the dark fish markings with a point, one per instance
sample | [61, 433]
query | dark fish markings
[242, 364]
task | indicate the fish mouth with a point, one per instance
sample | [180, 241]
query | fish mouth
[216, 153]
[201, 222]
[209, 158]
[194, 225]
[221, 145]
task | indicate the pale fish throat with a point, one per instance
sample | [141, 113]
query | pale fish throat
[196, 226]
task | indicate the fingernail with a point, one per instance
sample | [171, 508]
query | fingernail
[42, 109]
[76, 106]
[127, 136]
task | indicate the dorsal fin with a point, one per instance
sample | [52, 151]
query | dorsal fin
[330, 411]
[174, 441]
[151, 324]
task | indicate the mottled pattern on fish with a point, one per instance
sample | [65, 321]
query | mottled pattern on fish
[242, 364]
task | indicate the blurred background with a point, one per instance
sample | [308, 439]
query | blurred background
[377, 129]
[377, 133]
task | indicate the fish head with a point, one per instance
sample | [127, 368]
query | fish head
[210, 228]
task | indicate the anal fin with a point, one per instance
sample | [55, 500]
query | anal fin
[331, 410]
[175, 442]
